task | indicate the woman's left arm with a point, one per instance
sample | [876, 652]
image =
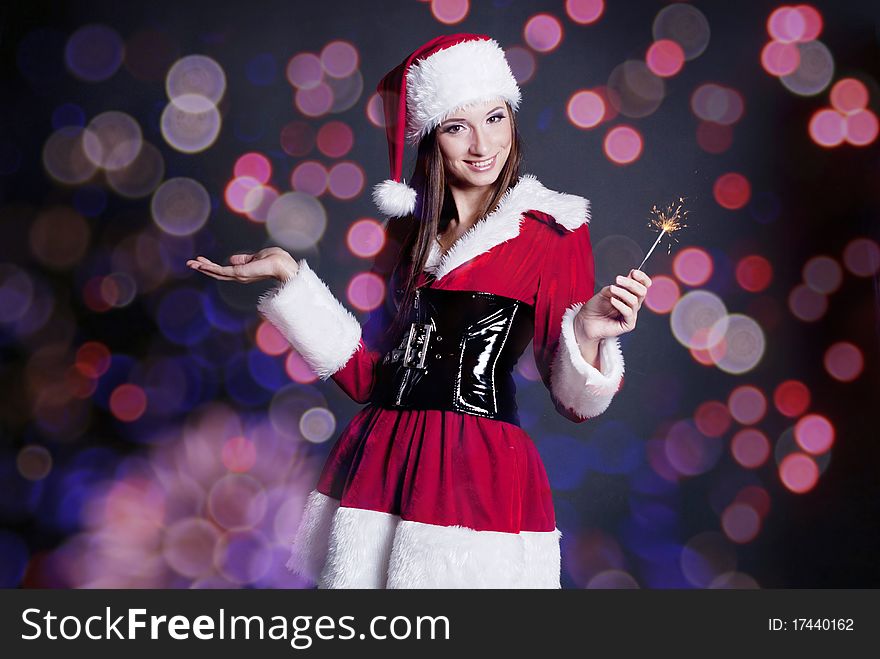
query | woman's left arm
[582, 372]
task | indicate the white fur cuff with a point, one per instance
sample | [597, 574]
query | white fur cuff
[579, 386]
[307, 314]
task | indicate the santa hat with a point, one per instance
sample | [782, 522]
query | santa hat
[446, 74]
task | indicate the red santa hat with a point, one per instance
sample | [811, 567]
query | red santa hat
[446, 74]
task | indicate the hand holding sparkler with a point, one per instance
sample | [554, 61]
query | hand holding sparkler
[613, 310]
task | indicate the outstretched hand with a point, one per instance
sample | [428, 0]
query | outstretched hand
[268, 263]
[614, 309]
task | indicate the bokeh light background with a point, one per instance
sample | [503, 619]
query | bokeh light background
[156, 433]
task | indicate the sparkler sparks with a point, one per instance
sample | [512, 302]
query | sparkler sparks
[667, 220]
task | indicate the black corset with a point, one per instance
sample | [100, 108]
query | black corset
[458, 354]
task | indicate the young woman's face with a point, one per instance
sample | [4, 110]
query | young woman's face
[475, 144]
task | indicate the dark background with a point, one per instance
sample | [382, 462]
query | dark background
[806, 201]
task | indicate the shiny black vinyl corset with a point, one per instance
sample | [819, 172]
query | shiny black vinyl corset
[458, 354]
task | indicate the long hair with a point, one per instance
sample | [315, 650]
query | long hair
[434, 209]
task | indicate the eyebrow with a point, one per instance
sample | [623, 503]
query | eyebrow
[500, 107]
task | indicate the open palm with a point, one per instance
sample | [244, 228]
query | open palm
[268, 263]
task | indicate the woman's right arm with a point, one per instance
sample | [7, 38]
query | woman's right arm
[325, 334]
[302, 308]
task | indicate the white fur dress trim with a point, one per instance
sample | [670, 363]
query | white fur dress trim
[342, 547]
[309, 316]
[505, 222]
[579, 386]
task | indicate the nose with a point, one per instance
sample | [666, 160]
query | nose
[479, 143]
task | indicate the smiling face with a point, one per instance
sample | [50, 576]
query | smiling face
[475, 144]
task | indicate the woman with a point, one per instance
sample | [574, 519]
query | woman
[434, 483]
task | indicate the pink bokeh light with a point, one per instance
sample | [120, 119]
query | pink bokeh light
[665, 58]
[849, 95]
[236, 193]
[309, 176]
[128, 402]
[258, 201]
[335, 139]
[584, 12]
[861, 127]
[747, 404]
[754, 273]
[314, 101]
[623, 145]
[779, 58]
[732, 191]
[787, 24]
[339, 59]
[806, 304]
[238, 454]
[298, 370]
[862, 257]
[365, 237]
[712, 418]
[798, 472]
[740, 522]
[304, 71]
[450, 12]
[543, 33]
[375, 111]
[693, 266]
[792, 398]
[269, 340]
[844, 361]
[585, 109]
[823, 274]
[663, 294]
[750, 448]
[254, 165]
[522, 63]
[366, 291]
[814, 433]
[827, 127]
[92, 359]
[346, 180]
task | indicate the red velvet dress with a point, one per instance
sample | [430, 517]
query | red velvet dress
[446, 467]
[438, 470]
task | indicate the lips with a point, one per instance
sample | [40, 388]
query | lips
[482, 169]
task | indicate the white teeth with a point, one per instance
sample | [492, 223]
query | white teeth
[483, 164]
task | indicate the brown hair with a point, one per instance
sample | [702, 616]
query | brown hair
[434, 209]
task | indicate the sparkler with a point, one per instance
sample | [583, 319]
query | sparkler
[667, 220]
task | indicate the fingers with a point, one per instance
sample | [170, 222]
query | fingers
[637, 289]
[640, 276]
[626, 302]
[222, 272]
[217, 276]
[206, 270]
[625, 311]
[625, 295]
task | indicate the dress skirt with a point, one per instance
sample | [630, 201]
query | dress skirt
[429, 499]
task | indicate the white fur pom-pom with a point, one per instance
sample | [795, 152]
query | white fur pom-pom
[394, 199]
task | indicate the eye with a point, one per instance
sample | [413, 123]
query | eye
[496, 116]
[449, 128]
